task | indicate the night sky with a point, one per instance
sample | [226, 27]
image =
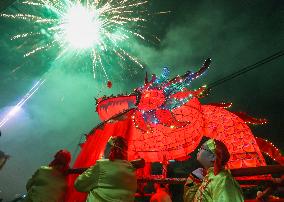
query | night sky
[233, 34]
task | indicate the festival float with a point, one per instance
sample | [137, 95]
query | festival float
[164, 120]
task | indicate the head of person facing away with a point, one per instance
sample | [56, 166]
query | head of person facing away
[61, 161]
[158, 186]
[213, 153]
[118, 148]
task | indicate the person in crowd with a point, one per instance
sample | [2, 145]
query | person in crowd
[3, 159]
[161, 194]
[213, 183]
[111, 179]
[49, 183]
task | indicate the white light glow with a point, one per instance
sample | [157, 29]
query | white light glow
[81, 27]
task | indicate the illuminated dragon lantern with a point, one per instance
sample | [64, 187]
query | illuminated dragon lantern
[164, 120]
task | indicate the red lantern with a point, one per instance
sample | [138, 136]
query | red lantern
[109, 84]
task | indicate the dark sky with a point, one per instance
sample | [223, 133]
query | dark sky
[233, 33]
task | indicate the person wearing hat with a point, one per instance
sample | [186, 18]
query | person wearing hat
[111, 179]
[213, 183]
[49, 183]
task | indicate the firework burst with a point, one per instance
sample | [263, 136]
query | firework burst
[96, 27]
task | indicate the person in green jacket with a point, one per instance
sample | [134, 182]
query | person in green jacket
[112, 179]
[49, 183]
[213, 183]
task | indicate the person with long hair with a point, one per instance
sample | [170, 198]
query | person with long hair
[49, 183]
[213, 183]
[111, 179]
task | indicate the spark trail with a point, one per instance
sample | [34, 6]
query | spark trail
[16, 108]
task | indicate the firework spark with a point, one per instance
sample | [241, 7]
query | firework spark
[16, 108]
[98, 27]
